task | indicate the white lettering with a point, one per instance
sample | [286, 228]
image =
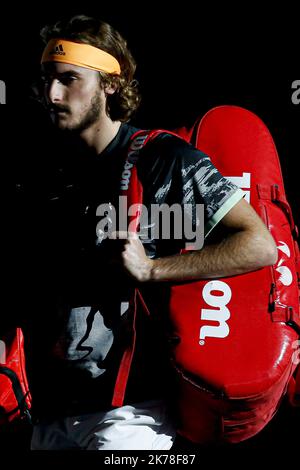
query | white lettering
[2, 352]
[2, 92]
[296, 93]
[126, 174]
[123, 460]
[135, 146]
[108, 222]
[219, 314]
[242, 182]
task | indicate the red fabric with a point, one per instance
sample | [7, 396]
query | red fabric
[133, 193]
[231, 378]
[13, 358]
[241, 366]
[132, 189]
[124, 369]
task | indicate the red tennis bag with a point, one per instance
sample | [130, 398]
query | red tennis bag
[14, 392]
[238, 336]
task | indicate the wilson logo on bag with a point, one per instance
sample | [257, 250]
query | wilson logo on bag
[219, 313]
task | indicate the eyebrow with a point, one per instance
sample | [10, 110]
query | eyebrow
[69, 73]
[66, 74]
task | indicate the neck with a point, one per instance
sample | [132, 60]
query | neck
[100, 134]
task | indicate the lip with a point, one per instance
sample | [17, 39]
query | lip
[60, 115]
[58, 111]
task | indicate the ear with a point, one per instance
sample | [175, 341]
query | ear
[110, 89]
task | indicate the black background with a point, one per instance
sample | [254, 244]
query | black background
[190, 57]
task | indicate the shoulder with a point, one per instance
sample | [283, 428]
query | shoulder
[171, 152]
[174, 145]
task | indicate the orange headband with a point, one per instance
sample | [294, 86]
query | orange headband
[83, 55]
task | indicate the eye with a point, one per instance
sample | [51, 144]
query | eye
[64, 80]
[68, 80]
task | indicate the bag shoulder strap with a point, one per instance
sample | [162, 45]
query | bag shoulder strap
[132, 189]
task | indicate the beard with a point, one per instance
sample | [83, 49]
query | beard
[90, 116]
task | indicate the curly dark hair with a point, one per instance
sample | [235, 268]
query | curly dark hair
[84, 29]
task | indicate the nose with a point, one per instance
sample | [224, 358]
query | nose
[55, 91]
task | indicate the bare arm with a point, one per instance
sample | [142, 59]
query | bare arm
[249, 247]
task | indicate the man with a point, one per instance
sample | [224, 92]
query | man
[80, 326]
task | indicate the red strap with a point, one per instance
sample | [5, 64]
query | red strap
[276, 195]
[124, 369]
[133, 190]
[279, 198]
[145, 308]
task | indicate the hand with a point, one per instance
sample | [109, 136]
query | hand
[134, 259]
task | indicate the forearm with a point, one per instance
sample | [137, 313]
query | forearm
[249, 246]
[239, 253]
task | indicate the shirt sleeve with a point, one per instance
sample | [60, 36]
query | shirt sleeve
[174, 171]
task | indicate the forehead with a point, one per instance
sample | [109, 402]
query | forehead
[62, 68]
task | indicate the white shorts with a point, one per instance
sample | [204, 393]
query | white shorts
[141, 426]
